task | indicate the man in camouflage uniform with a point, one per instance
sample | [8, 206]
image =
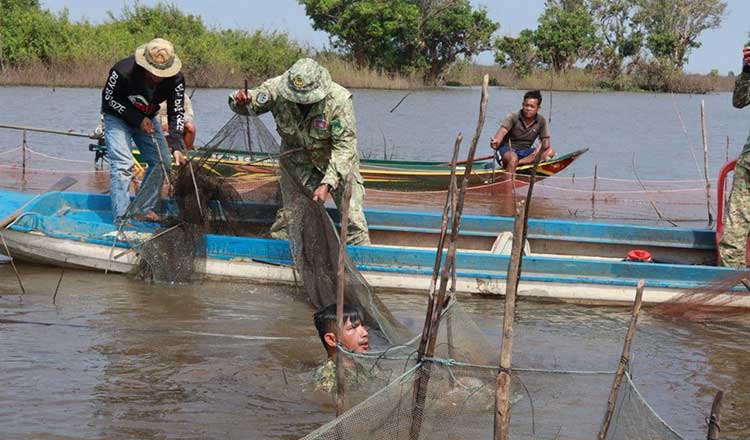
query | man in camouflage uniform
[732, 246]
[314, 116]
[354, 338]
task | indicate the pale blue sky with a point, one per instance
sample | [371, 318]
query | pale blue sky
[721, 47]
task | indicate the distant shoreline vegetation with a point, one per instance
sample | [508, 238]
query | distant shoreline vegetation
[40, 48]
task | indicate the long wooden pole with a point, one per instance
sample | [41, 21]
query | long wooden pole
[340, 285]
[503, 380]
[456, 226]
[726, 154]
[61, 185]
[624, 360]
[46, 130]
[13, 264]
[247, 125]
[447, 211]
[420, 386]
[23, 155]
[705, 163]
[714, 420]
[593, 191]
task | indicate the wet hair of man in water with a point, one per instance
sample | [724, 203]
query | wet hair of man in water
[325, 319]
[533, 94]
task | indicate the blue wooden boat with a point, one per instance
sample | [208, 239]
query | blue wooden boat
[568, 261]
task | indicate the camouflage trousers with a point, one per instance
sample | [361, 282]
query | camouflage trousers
[310, 177]
[732, 246]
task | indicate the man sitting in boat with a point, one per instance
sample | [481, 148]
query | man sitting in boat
[315, 119]
[354, 338]
[514, 140]
[188, 133]
[130, 101]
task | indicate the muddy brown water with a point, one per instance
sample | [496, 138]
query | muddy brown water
[117, 358]
[123, 359]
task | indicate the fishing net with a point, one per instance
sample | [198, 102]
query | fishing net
[724, 297]
[200, 203]
[206, 201]
[460, 403]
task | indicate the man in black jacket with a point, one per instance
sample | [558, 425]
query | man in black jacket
[130, 103]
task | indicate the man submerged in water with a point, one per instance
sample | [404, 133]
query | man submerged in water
[354, 338]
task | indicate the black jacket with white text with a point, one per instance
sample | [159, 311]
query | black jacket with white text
[128, 96]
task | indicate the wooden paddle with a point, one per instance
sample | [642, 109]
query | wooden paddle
[61, 185]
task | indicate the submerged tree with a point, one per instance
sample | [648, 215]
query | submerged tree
[404, 35]
[673, 26]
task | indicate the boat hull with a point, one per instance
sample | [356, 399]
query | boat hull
[404, 176]
[68, 253]
[75, 230]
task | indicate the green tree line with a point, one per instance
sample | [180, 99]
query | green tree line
[622, 43]
[646, 42]
[32, 34]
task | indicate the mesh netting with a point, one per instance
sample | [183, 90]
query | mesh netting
[576, 193]
[460, 404]
[314, 243]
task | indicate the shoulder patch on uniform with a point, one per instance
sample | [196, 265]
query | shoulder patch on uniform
[321, 124]
[336, 127]
[261, 98]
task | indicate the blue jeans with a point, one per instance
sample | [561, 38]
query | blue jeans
[118, 136]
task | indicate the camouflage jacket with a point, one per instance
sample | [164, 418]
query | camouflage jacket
[355, 377]
[324, 378]
[740, 99]
[328, 132]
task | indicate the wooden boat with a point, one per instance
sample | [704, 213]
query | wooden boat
[386, 174]
[569, 261]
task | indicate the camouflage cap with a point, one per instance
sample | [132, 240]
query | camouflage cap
[306, 82]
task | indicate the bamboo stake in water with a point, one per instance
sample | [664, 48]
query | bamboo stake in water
[23, 156]
[705, 163]
[340, 285]
[57, 289]
[624, 361]
[447, 211]
[420, 386]
[13, 264]
[726, 156]
[714, 425]
[502, 392]
[593, 191]
[456, 224]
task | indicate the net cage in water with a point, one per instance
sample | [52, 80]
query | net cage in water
[460, 404]
[460, 380]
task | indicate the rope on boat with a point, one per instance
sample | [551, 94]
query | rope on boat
[634, 191]
[56, 157]
[12, 150]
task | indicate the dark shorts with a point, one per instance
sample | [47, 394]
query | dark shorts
[520, 153]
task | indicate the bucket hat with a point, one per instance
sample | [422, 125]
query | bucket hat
[158, 57]
[306, 82]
